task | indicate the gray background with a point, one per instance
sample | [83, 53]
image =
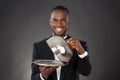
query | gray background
[23, 22]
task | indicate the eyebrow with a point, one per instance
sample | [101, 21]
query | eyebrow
[57, 19]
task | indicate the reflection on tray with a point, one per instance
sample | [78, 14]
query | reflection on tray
[48, 63]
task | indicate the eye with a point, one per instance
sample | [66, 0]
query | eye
[64, 20]
[54, 19]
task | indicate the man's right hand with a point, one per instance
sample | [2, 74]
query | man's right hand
[46, 71]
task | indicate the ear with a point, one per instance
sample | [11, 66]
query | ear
[70, 21]
[50, 21]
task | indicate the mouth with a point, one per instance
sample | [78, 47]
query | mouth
[59, 29]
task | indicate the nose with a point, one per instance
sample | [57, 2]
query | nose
[59, 23]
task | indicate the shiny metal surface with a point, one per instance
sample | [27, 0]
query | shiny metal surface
[48, 63]
[60, 48]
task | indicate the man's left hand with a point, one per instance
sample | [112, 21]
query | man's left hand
[75, 44]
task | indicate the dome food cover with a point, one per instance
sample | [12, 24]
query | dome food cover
[60, 48]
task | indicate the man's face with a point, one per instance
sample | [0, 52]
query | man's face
[59, 22]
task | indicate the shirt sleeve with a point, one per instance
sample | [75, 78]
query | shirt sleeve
[41, 77]
[83, 55]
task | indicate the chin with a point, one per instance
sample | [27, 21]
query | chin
[58, 34]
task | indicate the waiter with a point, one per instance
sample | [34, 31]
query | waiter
[79, 62]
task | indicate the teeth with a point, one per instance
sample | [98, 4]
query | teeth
[59, 29]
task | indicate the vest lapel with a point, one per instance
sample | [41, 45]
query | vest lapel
[48, 54]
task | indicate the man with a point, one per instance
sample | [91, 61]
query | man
[78, 64]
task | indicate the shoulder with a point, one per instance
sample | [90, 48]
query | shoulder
[82, 42]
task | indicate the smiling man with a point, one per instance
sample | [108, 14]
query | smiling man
[78, 64]
[59, 21]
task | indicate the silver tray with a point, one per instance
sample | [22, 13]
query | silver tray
[48, 63]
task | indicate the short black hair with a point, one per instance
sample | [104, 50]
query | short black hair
[60, 7]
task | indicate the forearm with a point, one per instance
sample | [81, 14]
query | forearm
[84, 66]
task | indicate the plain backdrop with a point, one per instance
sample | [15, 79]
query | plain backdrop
[23, 22]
